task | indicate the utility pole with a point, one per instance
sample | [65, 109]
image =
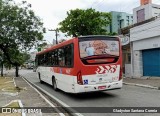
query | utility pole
[56, 33]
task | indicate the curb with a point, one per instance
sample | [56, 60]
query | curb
[21, 106]
[33, 86]
[65, 106]
[141, 85]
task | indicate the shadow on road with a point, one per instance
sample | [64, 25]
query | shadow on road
[83, 96]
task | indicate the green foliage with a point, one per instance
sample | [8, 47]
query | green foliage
[20, 29]
[25, 56]
[85, 22]
[42, 45]
[17, 57]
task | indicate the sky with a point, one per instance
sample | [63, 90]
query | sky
[52, 12]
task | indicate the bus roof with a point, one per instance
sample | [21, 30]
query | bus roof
[88, 36]
[56, 46]
[70, 41]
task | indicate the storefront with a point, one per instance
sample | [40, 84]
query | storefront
[145, 51]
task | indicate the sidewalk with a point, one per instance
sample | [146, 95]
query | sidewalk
[152, 82]
[24, 93]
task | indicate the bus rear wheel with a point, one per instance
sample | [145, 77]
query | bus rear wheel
[54, 84]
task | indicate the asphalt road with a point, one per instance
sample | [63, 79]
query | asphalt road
[128, 96]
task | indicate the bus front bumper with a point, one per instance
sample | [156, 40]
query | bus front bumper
[98, 87]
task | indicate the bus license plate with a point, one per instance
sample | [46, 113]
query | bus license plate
[101, 87]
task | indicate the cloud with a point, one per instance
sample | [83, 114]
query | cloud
[116, 5]
[52, 12]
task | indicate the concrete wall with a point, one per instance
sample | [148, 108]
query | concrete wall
[155, 10]
[137, 64]
[128, 72]
[148, 30]
[150, 43]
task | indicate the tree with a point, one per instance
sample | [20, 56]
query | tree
[85, 22]
[1, 62]
[26, 56]
[42, 45]
[20, 29]
[62, 40]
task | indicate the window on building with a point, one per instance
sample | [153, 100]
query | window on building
[140, 15]
[120, 24]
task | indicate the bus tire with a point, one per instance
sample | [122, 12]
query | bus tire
[40, 78]
[54, 84]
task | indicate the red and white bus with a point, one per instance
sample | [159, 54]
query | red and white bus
[82, 64]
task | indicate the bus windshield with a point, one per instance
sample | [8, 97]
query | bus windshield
[99, 47]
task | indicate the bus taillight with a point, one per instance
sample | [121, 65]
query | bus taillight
[120, 74]
[79, 78]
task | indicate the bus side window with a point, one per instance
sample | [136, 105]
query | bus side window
[56, 57]
[45, 60]
[49, 59]
[68, 55]
[40, 59]
[52, 58]
[61, 57]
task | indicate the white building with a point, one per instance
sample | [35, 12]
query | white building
[145, 42]
[145, 12]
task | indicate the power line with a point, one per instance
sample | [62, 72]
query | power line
[133, 4]
[98, 3]
[94, 3]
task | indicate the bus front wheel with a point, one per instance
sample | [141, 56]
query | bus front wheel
[54, 84]
[40, 78]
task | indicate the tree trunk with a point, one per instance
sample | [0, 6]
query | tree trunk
[17, 71]
[1, 69]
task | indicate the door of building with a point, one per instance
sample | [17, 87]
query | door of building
[151, 62]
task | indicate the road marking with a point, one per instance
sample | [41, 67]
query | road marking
[61, 114]
[56, 99]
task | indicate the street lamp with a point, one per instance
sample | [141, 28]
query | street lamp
[56, 34]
